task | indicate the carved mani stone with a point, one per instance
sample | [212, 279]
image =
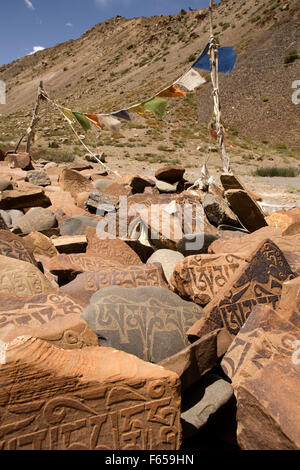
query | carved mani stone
[15, 247]
[86, 284]
[74, 182]
[22, 279]
[41, 245]
[68, 245]
[199, 278]
[69, 332]
[114, 250]
[264, 338]
[246, 208]
[259, 282]
[148, 322]
[89, 399]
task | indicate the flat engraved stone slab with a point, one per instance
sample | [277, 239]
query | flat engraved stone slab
[259, 282]
[86, 284]
[199, 278]
[149, 322]
[22, 279]
[88, 399]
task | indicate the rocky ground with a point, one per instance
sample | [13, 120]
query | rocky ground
[176, 332]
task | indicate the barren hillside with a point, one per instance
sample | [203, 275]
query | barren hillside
[121, 61]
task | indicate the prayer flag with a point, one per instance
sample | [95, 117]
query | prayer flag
[111, 123]
[82, 120]
[156, 106]
[191, 80]
[227, 59]
[122, 114]
[94, 119]
[172, 91]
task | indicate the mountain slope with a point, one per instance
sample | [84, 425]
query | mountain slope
[122, 61]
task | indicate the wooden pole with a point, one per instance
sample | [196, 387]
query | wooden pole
[214, 62]
[35, 118]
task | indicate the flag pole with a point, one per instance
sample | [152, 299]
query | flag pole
[214, 62]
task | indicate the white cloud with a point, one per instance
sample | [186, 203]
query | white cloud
[70, 25]
[29, 4]
[36, 49]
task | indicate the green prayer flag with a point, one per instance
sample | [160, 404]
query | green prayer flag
[82, 120]
[156, 105]
[68, 114]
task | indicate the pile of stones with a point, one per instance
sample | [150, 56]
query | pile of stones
[163, 336]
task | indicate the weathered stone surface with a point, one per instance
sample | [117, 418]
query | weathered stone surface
[66, 267]
[164, 187]
[268, 408]
[69, 245]
[15, 247]
[259, 282]
[36, 219]
[115, 250]
[100, 203]
[19, 160]
[40, 245]
[170, 174]
[38, 178]
[117, 190]
[168, 260]
[247, 243]
[195, 244]
[289, 306]
[148, 322]
[18, 199]
[5, 185]
[198, 358]
[86, 284]
[201, 401]
[200, 278]
[22, 279]
[247, 210]
[136, 183]
[79, 166]
[66, 332]
[264, 338]
[73, 182]
[288, 221]
[102, 183]
[14, 214]
[217, 211]
[77, 225]
[107, 400]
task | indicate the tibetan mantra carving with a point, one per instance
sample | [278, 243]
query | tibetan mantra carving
[89, 399]
[86, 284]
[259, 282]
[149, 322]
[35, 311]
[199, 278]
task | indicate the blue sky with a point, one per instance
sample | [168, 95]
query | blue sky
[29, 24]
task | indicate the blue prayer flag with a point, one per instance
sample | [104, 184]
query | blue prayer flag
[227, 59]
[122, 114]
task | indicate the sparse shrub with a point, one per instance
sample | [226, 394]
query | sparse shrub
[277, 171]
[192, 58]
[265, 99]
[291, 56]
